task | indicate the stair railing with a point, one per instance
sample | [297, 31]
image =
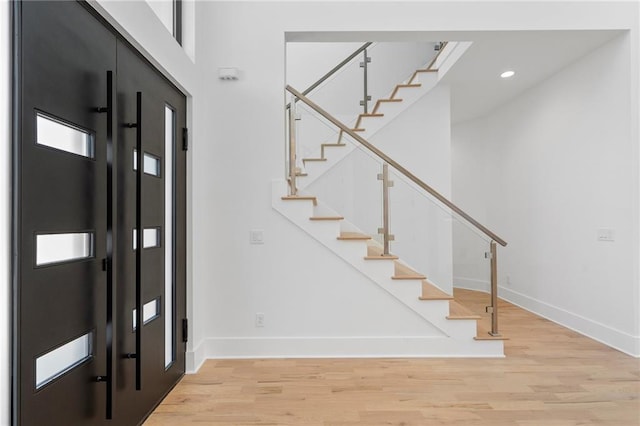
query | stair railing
[345, 61]
[292, 115]
[363, 50]
[388, 161]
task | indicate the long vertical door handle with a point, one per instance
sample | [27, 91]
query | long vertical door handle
[139, 240]
[110, 286]
[107, 263]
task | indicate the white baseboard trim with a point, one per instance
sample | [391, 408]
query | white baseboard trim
[347, 347]
[602, 333]
[195, 358]
[472, 284]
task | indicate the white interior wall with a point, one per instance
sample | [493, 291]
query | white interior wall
[472, 167]
[164, 10]
[244, 129]
[307, 62]
[5, 212]
[553, 167]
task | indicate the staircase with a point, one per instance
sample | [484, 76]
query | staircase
[459, 331]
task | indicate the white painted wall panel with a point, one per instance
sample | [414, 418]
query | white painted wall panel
[547, 171]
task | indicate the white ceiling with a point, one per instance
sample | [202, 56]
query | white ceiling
[476, 86]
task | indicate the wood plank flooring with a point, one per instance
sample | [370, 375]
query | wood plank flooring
[551, 376]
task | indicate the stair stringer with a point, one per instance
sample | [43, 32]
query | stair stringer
[372, 125]
[458, 334]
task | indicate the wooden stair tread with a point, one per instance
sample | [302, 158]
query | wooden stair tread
[332, 145]
[431, 292]
[457, 311]
[374, 252]
[326, 218]
[358, 130]
[380, 101]
[427, 70]
[382, 257]
[302, 174]
[403, 272]
[370, 114]
[402, 86]
[301, 198]
[314, 159]
[353, 236]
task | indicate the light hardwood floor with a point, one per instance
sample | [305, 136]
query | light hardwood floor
[551, 376]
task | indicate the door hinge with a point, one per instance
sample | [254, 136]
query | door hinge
[185, 139]
[185, 330]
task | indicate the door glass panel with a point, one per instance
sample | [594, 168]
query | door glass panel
[150, 163]
[150, 311]
[57, 248]
[62, 359]
[150, 238]
[169, 139]
[56, 134]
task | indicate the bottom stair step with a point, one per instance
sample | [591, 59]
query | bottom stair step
[459, 312]
[483, 334]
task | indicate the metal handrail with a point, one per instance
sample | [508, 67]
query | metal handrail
[333, 71]
[396, 165]
[435, 58]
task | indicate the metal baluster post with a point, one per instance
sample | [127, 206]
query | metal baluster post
[364, 65]
[293, 190]
[493, 309]
[386, 184]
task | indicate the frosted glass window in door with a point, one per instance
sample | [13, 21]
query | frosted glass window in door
[150, 163]
[58, 248]
[64, 358]
[169, 200]
[150, 238]
[150, 311]
[65, 137]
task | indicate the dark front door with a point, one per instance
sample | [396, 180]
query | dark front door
[149, 114]
[98, 335]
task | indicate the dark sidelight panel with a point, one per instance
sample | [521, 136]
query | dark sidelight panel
[99, 266]
[145, 185]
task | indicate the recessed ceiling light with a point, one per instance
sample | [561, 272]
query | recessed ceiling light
[508, 74]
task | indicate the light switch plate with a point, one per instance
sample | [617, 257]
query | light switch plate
[606, 234]
[256, 236]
